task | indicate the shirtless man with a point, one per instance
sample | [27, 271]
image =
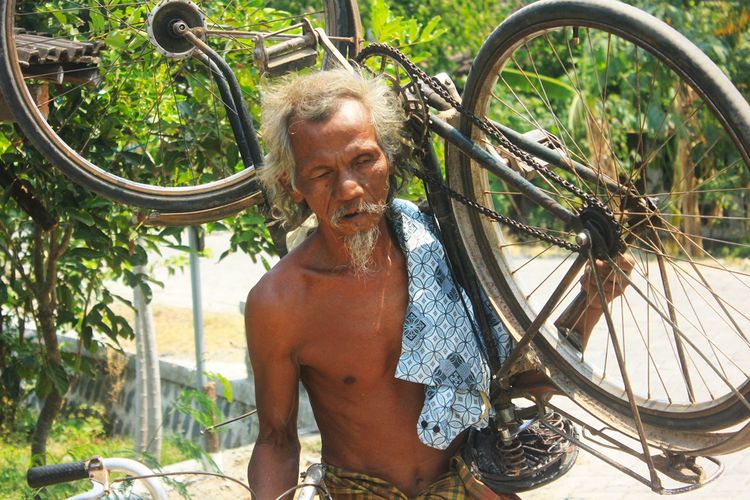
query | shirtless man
[331, 313]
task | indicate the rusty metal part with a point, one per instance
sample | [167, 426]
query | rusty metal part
[201, 216]
[533, 457]
[99, 473]
[406, 86]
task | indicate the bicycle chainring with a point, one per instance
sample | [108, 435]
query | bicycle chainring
[379, 61]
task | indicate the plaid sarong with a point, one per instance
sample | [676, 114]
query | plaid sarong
[456, 484]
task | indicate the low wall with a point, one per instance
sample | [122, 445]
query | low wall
[114, 388]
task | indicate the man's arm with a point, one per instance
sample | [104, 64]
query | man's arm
[274, 465]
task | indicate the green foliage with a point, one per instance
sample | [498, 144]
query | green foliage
[248, 234]
[79, 435]
[720, 28]
[199, 406]
[462, 27]
[386, 26]
[54, 279]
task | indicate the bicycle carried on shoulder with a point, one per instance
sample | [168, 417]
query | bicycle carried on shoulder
[586, 129]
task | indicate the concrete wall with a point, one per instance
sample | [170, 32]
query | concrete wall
[120, 407]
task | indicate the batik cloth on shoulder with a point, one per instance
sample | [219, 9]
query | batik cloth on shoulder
[439, 348]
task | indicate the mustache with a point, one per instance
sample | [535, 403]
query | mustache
[363, 207]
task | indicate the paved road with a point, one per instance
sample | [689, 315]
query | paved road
[225, 285]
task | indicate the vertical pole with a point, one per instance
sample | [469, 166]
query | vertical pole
[195, 281]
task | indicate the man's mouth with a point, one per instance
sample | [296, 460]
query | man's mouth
[349, 214]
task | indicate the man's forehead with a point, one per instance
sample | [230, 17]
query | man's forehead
[346, 110]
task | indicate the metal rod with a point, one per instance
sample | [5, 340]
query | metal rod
[624, 374]
[627, 450]
[502, 170]
[210, 428]
[252, 35]
[597, 454]
[555, 158]
[541, 317]
[673, 316]
[195, 282]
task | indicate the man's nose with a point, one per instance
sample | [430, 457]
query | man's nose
[350, 186]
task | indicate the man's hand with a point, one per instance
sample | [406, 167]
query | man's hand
[613, 284]
[582, 315]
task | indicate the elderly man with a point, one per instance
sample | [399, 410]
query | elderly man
[339, 312]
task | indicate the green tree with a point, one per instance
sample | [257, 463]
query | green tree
[53, 278]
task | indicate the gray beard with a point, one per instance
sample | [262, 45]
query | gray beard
[359, 247]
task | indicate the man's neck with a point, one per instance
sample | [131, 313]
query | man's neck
[334, 255]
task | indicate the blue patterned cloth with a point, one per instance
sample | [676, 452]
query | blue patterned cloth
[439, 348]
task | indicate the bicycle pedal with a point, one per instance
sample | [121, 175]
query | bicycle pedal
[287, 63]
[290, 55]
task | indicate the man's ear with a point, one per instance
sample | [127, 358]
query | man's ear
[291, 191]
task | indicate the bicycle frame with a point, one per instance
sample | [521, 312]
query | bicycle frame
[501, 397]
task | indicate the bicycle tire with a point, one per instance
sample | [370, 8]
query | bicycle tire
[506, 67]
[161, 142]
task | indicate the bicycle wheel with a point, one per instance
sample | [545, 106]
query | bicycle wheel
[662, 138]
[124, 110]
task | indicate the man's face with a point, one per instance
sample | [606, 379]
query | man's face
[339, 167]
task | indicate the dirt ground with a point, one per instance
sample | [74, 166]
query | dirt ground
[233, 463]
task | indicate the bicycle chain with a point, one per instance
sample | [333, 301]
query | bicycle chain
[493, 131]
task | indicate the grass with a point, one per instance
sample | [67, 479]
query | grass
[76, 437]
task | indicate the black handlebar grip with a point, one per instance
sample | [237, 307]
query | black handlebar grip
[46, 475]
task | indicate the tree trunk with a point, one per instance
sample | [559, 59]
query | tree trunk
[54, 400]
[51, 407]
[685, 199]
[45, 283]
[148, 360]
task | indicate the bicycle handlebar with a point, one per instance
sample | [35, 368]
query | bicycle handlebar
[97, 469]
[46, 475]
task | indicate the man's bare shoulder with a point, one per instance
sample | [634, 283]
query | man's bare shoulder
[280, 294]
[276, 288]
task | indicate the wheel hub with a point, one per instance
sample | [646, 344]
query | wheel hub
[161, 22]
[603, 230]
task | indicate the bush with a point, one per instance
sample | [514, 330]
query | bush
[79, 435]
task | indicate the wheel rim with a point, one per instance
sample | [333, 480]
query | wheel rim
[143, 141]
[522, 87]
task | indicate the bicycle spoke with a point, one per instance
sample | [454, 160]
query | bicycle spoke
[630, 129]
